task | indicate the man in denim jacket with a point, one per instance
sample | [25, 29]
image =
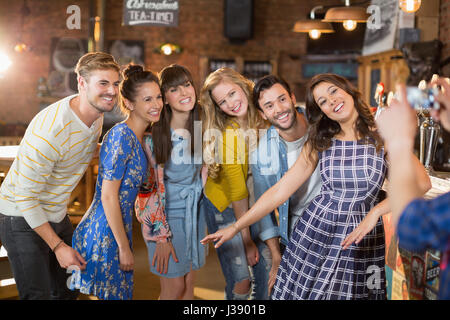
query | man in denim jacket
[277, 151]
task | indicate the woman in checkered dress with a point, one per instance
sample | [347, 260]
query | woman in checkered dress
[336, 250]
[315, 266]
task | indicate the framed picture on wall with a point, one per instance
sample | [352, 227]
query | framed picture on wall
[64, 55]
[382, 39]
[124, 52]
[127, 51]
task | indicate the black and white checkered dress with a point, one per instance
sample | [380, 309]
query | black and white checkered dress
[314, 265]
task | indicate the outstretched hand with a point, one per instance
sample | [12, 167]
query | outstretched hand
[221, 236]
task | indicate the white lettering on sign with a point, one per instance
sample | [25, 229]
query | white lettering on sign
[138, 17]
[151, 5]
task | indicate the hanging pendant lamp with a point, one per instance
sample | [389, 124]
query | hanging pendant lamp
[313, 27]
[349, 16]
[409, 5]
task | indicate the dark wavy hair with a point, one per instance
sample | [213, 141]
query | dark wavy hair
[323, 129]
[172, 76]
[265, 83]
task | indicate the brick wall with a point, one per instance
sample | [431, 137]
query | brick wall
[200, 33]
[18, 89]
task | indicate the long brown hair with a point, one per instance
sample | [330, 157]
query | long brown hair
[323, 129]
[171, 76]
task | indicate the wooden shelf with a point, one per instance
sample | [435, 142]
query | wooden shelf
[388, 67]
[240, 64]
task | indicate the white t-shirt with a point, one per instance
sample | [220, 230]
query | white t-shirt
[300, 199]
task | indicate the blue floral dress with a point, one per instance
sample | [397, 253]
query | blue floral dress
[121, 158]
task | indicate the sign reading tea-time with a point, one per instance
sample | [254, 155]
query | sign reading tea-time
[150, 13]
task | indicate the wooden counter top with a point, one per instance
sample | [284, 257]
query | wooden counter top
[440, 182]
[7, 155]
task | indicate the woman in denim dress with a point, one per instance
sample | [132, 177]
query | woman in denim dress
[175, 253]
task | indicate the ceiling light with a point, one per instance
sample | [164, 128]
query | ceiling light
[349, 16]
[350, 25]
[313, 27]
[5, 62]
[168, 48]
[315, 34]
[409, 5]
[21, 47]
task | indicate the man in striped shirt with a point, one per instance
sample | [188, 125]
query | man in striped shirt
[54, 153]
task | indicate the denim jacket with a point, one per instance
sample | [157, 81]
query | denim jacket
[269, 163]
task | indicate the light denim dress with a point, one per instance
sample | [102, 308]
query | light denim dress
[183, 187]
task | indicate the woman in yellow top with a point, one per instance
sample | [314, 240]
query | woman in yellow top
[230, 124]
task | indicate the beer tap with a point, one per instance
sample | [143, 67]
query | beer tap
[428, 134]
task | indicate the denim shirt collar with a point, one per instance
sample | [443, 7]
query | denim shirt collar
[271, 172]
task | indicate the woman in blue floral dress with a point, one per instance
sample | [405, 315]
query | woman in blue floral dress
[104, 236]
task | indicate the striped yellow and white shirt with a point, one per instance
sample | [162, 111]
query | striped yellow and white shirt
[53, 155]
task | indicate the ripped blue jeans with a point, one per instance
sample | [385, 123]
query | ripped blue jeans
[233, 259]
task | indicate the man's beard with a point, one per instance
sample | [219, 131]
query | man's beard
[98, 107]
[294, 121]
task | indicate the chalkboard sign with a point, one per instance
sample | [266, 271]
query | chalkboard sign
[347, 70]
[150, 12]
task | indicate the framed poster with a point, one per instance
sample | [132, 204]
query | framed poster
[127, 51]
[382, 39]
[64, 55]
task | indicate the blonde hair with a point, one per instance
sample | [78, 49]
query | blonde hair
[214, 118]
[95, 61]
